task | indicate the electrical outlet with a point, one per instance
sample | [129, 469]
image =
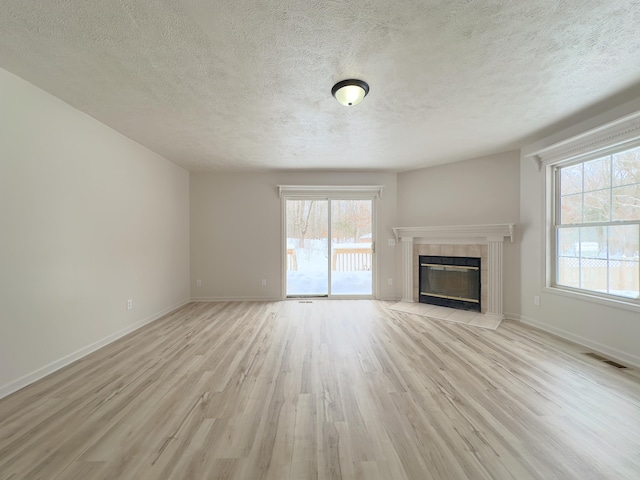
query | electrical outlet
[129, 304]
[198, 283]
[264, 282]
[392, 242]
[536, 301]
[390, 281]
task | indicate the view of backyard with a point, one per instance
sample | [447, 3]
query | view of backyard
[329, 247]
[599, 225]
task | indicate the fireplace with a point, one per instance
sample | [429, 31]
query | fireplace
[450, 282]
[484, 241]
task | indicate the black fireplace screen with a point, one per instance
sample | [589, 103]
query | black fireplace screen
[450, 281]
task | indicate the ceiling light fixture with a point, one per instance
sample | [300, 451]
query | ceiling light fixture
[350, 92]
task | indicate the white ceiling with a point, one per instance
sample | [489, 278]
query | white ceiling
[243, 84]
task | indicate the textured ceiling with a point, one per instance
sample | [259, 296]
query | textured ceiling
[242, 84]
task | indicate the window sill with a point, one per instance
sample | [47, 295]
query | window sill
[608, 302]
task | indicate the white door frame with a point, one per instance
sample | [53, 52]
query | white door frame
[317, 192]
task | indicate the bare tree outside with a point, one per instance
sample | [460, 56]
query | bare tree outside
[315, 248]
[298, 216]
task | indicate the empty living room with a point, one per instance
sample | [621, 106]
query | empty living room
[291, 240]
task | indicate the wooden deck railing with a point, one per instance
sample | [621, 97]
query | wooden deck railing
[349, 258]
[292, 259]
[345, 258]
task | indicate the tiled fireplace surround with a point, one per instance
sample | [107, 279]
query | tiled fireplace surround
[484, 241]
[452, 250]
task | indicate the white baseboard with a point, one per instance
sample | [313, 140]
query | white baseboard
[235, 299]
[394, 298]
[42, 372]
[275, 299]
[512, 316]
[613, 353]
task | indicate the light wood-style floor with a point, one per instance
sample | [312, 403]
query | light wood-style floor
[329, 389]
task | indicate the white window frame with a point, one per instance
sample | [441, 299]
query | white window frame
[330, 192]
[619, 135]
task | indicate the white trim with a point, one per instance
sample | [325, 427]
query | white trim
[493, 235]
[236, 299]
[283, 246]
[48, 369]
[407, 269]
[618, 133]
[330, 193]
[449, 241]
[287, 299]
[322, 296]
[588, 296]
[394, 298]
[466, 232]
[495, 275]
[613, 353]
[331, 190]
[512, 316]
[614, 136]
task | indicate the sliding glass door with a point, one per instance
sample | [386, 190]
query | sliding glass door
[307, 241]
[329, 247]
[351, 247]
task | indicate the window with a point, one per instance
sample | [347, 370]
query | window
[596, 224]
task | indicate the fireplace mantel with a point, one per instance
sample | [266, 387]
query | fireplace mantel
[457, 232]
[491, 235]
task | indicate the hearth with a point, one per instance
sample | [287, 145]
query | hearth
[450, 281]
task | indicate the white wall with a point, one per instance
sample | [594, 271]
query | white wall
[609, 330]
[236, 236]
[88, 220]
[472, 192]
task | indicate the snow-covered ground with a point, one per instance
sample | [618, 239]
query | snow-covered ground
[311, 278]
[342, 283]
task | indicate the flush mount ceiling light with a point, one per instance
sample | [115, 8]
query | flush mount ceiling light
[350, 92]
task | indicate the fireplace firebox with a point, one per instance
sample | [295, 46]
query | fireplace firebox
[450, 282]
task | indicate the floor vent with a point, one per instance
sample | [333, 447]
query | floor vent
[305, 301]
[605, 360]
[615, 364]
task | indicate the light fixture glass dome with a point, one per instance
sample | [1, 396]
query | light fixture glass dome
[350, 92]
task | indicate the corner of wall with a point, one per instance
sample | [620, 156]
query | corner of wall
[50, 368]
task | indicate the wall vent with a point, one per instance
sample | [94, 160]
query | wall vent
[605, 360]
